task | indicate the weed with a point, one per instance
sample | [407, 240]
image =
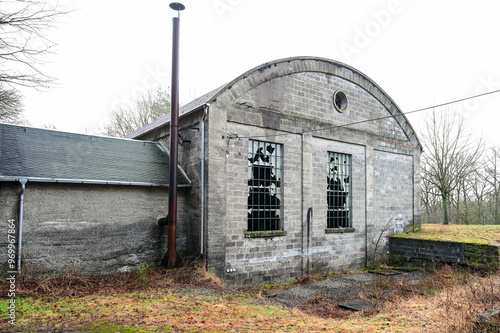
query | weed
[376, 255]
[142, 271]
[142, 268]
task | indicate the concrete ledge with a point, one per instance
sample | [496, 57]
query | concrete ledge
[339, 230]
[475, 255]
[265, 234]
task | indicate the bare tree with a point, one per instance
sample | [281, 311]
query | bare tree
[429, 195]
[146, 109]
[450, 153]
[23, 44]
[492, 170]
[11, 108]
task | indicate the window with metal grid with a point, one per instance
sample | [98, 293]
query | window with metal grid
[339, 191]
[265, 186]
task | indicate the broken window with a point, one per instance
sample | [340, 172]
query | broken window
[265, 192]
[339, 191]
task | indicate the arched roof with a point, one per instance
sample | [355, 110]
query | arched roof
[286, 66]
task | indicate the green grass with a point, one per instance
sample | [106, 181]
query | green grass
[474, 234]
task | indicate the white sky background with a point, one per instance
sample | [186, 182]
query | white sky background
[422, 53]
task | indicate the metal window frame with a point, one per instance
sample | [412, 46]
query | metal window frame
[337, 217]
[268, 185]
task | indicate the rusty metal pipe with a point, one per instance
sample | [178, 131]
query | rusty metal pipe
[171, 259]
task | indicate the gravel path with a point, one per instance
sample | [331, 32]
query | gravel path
[336, 289]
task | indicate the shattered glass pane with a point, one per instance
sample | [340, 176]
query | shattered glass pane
[339, 191]
[265, 196]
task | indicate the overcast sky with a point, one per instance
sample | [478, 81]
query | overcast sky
[422, 53]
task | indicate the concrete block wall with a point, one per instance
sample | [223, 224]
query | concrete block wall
[253, 261]
[337, 251]
[89, 228]
[277, 107]
[450, 252]
[393, 200]
[475, 255]
[483, 256]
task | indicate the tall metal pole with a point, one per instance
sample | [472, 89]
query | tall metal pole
[171, 260]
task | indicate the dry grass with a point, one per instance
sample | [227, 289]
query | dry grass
[484, 234]
[71, 284]
[446, 299]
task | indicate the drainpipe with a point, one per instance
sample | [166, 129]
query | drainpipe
[23, 182]
[366, 208]
[202, 182]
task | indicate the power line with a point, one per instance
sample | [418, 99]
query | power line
[373, 119]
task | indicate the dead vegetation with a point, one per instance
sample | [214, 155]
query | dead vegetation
[192, 274]
[446, 299]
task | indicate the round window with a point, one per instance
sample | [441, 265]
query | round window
[340, 101]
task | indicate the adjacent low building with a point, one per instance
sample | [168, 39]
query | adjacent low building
[86, 204]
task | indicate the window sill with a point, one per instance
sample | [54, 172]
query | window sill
[265, 234]
[339, 230]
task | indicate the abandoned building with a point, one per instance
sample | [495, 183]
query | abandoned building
[297, 166]
[306, 161]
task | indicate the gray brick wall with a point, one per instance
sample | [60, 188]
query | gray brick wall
[382, 173]
[393, 201]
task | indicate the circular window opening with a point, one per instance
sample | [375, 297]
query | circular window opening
[340, 101]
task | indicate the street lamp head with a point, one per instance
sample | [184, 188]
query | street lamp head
[177, 6]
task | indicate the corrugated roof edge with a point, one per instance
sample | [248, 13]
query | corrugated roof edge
[83, 181]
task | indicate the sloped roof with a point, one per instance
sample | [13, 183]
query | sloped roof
[165, 119]
[54, 156]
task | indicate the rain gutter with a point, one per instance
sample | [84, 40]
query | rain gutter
[84, 181]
